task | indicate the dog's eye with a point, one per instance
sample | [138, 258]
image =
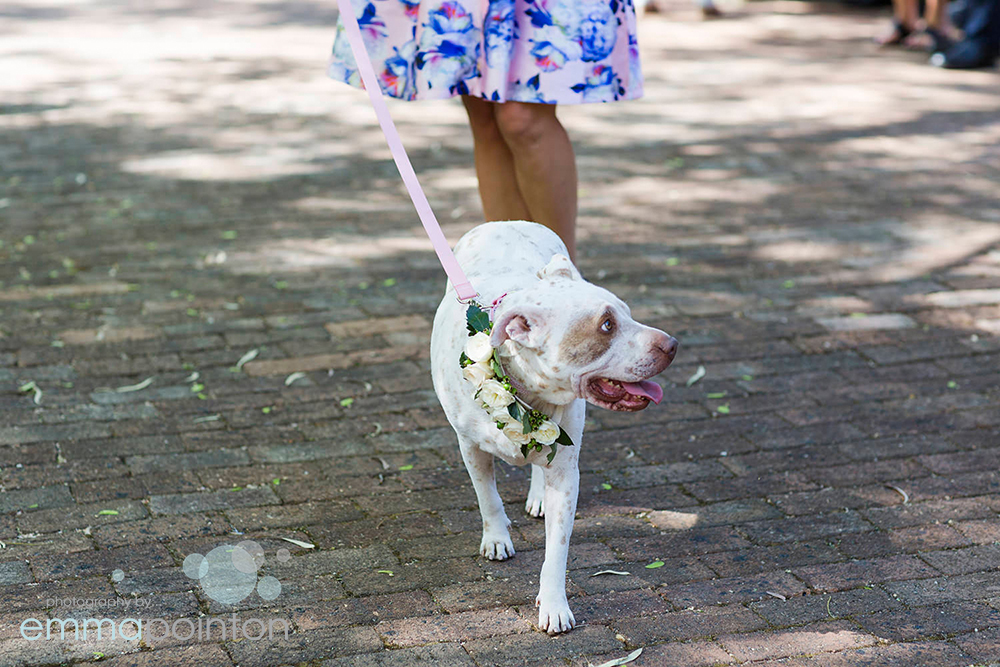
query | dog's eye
[608, 325]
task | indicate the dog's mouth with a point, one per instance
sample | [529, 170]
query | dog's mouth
[623, 396]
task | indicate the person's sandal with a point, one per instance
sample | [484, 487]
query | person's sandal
[899, 33]
[940, 42]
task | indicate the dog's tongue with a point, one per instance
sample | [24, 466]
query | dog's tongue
[646, 388]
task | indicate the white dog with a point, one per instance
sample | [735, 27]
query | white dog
[562, 342]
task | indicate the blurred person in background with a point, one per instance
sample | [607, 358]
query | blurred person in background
[980, 21]
[708, 8]
[934, 33]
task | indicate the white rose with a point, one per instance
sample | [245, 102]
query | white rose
[478, 347]
[494, 395]
[501, 415]
[477, 373]
[515, 433]
[547, 433]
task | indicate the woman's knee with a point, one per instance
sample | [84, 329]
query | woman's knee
[481, 119]
[523, 124]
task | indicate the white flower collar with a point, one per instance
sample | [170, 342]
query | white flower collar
[496, 393]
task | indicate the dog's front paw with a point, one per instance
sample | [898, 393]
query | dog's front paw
[496, 547]
[554, 616]
[535, 506]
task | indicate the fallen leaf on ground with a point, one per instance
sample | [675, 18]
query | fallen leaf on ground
[249, 356]
[617, 662]
[299, 543]
[698, 374]
[135, 387]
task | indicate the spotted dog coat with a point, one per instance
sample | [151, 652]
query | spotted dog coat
[565, 342]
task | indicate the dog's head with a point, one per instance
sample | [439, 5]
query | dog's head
[577, 340]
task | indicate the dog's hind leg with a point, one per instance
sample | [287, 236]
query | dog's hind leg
[535, 505]
[496, 544]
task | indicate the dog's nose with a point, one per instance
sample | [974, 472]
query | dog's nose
[668, 346]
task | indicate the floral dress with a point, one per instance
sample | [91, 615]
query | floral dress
[546, 51]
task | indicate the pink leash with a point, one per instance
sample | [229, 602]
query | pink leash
[463, 287]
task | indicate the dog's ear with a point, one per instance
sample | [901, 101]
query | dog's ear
[521, 325]
[559, 266]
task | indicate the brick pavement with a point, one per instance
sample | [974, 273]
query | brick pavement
[814, 220]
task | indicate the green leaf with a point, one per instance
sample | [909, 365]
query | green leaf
[952, 384]
[748, 378]
[564, 438]
[389, 282]
[514, 410]
[606, 486]
[655, 564]
[723, 409]
[228, 235]
[281, 284]
[552, 453]
[389, 572]
[526, 422]
[266, 410]
[31, 507]
[107, 513]
[196, 387]
[346, 402]
[524, 450]
[236, 488]
[477, 320]
[673, 261]
[276, 481]
[717, 394]
[408, 466]
[496, 367]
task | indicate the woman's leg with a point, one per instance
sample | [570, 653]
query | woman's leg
[904, 21]
[544, 165]
[498, 189]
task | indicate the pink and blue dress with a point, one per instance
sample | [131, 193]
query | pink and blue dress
[543, 51]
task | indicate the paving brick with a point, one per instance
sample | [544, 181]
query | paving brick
[983, 646]
[174, 461]
[937, 653]
[809, 608]
[409, 576]
[80, 516]
[364, 610]
[980, 532]
[733, 589]
[534, 648]
[804, 528]
[305, 646]
[946, 589]
[920, 622]
[39, 498]
[764, 559]
[443, 655]
[709, 621]
[15, 572]
[203, 502]
[964, 561]
[683, 543]
[853, 574]
[181, 656]
[462, 626]
[816, 638]
[927, 512]
[100, 563]
[688, 654]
